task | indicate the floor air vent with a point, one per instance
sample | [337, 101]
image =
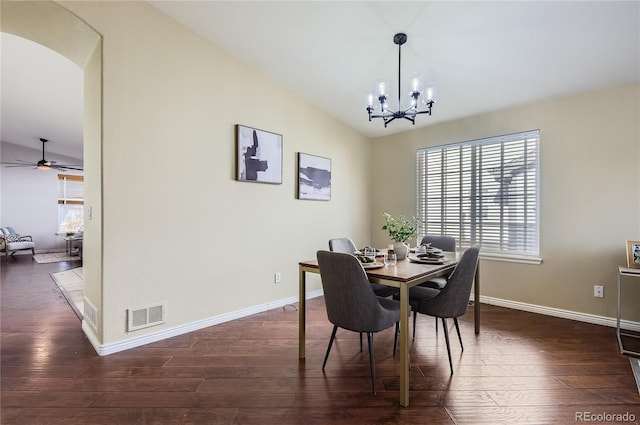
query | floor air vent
[144, 317]
[91, 314]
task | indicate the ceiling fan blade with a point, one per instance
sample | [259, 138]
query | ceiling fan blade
[67, 167]
[23, 163]
[17, 165]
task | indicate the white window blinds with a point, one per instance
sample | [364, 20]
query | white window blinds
[483, 192]
[70, 203]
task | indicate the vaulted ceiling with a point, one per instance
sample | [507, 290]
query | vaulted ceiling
[483, 56]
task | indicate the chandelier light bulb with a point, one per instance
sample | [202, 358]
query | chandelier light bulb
[370, 100]
[430, 93]
[382, 86]
[415, 83]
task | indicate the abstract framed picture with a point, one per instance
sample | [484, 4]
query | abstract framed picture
[258, 155]
[633, 254]
[314, 177]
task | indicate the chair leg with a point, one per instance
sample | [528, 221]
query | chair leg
[446, 338]
[395, 338]
[333, 336]
[455, 321]
[415, 319]
[436, 324]
[372, 361]
[361, 342]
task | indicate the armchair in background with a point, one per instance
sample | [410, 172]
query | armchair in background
[10, 242]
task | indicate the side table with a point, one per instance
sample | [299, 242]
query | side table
[69, 243]
[625, 271]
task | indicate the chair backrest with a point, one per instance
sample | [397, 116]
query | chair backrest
[445, 243]
[8, 230]
[344, 245]
[350, 300]
[453, 299]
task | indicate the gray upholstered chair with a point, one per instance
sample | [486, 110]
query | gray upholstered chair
[445, 243]
[452, 300]
[10, 242]
[347, 246]
[351, 304]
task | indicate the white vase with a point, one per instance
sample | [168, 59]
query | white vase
[401, 250]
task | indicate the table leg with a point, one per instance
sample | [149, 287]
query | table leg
[302, 316]
[476, 300]
[404, 346]
[618, 318]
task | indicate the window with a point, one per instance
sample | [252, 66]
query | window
[483, 193]
[70, 203]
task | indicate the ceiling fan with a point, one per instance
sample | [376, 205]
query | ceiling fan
[43, 164]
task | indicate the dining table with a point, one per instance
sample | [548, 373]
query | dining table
[404, 275]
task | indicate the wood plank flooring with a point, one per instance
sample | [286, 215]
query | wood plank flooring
[523, 368]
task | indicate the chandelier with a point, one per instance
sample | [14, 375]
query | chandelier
[421, 95]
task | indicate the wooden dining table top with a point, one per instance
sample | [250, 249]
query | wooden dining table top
[404, 270]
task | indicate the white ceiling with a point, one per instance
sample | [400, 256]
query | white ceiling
[42, 96]
[483, 56]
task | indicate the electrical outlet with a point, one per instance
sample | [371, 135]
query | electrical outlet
[276, 277]
[598, 291]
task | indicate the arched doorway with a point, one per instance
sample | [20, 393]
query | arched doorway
[55, 27]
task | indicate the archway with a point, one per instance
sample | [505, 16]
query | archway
[55, 27]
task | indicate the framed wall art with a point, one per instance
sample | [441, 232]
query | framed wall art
[314, 177]
[633, 254]
[258, 155]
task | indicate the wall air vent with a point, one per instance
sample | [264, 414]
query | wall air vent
[145, 317]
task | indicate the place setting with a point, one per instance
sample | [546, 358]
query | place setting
[367, 257]
[426, 254]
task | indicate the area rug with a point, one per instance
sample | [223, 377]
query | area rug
[54, 257]
[635, 366]
[71, 284]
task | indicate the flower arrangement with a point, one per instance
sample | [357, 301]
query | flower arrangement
[400, 229]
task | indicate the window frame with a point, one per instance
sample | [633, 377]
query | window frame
[453, 190]
[63, 199]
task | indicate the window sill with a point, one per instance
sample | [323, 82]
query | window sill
[510, 258]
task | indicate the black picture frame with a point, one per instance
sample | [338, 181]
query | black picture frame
[258, 155]
[314, 177]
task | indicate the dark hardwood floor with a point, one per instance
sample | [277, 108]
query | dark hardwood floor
[523, 368]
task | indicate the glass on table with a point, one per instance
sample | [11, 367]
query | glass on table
[370, 253]
[390, 258]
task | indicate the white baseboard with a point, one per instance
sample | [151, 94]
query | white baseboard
[106, 349]
[565, 314]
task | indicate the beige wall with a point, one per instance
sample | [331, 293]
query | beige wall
[590, 204]
[177, 227]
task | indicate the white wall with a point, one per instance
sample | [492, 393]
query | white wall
[30, 196]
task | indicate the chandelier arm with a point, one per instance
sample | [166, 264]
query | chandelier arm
[411, 118]
[426, 111]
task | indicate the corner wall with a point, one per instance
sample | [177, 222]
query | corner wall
[177, 227]
[590, 204]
